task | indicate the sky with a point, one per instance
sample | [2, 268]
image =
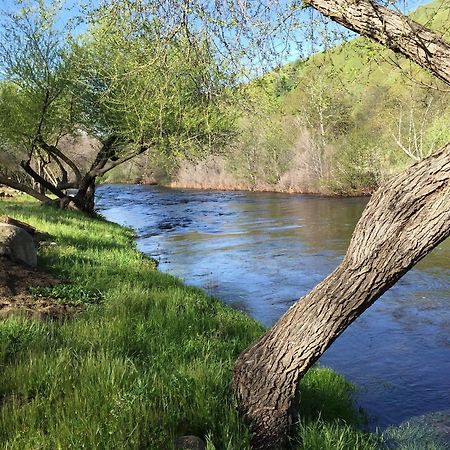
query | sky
[409, 4]
[308, 40]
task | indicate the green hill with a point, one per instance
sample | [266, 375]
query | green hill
[370, 111]
[340, 122]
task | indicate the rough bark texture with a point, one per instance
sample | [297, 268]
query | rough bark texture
[392, 29]
[403, 222]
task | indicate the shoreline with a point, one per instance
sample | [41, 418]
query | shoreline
[149, 363]
[220, 188]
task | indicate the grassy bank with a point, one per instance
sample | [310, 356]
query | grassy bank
[149, 360]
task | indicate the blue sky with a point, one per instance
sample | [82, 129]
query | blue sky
[309, 39]
[73, 5]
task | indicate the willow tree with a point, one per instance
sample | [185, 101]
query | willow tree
[404, 220]
[134, 84]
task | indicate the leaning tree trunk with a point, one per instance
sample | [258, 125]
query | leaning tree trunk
[403, 222]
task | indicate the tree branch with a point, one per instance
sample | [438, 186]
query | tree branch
[112, 164]
[42, 181]
[394, 30]
[24, 188]
[104, 154]
[54, 151]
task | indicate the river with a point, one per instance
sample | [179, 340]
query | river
[260, 252]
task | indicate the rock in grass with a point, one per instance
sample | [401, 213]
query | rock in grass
[17, 245]
[190, 443]
[17, 223]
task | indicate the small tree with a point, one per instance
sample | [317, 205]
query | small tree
[419, 128]
[324, 112]
[134, 85]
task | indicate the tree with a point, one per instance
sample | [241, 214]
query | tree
[405, 219]
[324, 112]
[417, 129]
[133, 83]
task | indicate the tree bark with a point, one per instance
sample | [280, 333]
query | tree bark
[24, 188]
[85, 197]
[403, 222]
[394, 30]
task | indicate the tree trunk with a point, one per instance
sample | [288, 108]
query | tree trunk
[24, 188]
[85, 197]
[42, 174]
[89, 198]
[393, 30]
[403, 222]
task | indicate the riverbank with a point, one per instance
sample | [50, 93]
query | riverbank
[146, 362]
[213, 173]
[262, 188]
[239, 186]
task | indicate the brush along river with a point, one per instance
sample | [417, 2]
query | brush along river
[261, 252]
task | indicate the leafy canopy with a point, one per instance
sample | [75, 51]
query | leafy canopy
[122, 78]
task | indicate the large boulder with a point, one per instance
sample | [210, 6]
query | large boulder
[17, 244]
[190, 443]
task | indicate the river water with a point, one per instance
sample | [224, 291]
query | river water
[261, 252]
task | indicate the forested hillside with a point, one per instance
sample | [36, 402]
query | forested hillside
[340, 123]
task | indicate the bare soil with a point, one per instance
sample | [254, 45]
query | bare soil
[15, 281]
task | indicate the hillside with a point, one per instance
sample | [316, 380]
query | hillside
[340, 122]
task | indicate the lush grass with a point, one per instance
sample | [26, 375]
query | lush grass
[148, 363]
[69, 294]
[335, 435]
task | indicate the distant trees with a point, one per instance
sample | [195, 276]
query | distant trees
[418, 126]
[324, 111]
[131, 81]
[261, 153]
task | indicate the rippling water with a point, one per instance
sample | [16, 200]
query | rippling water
[261, 252]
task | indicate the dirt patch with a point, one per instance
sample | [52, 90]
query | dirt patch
[15, 281]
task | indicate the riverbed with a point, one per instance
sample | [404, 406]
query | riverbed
[260, 252]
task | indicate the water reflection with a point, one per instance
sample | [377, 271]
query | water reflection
[261, 252]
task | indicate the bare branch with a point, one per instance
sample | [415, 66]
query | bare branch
[42, 181]
[123, 159]
[54, 151]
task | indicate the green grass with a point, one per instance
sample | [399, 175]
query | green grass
[70, 294]
[150, 362]
[335, 435]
